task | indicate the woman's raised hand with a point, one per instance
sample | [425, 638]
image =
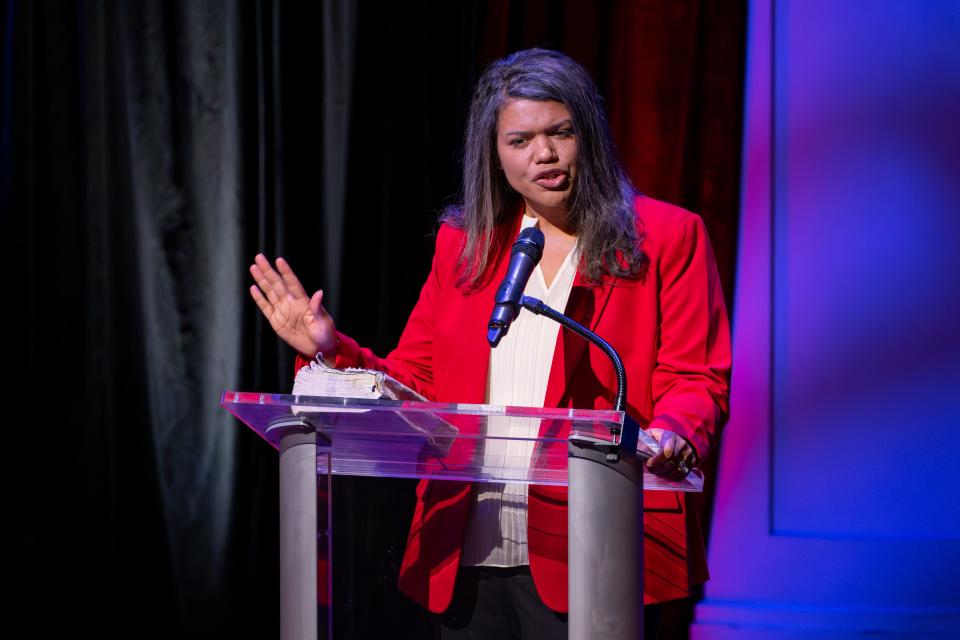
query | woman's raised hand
[299, 320]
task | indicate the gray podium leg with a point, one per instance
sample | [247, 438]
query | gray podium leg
[605, 519]
[298, 536]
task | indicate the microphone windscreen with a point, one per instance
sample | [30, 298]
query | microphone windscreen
[529, 242]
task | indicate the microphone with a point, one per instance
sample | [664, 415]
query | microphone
[524, 256]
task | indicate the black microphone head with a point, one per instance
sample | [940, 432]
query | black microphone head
[530, 242]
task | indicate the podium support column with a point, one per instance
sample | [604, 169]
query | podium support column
[605, 544]
[299, 443]
[298, 536]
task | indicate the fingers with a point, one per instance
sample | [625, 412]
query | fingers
[261, 301]
[676, 456]
[290, 279]
[276, 283]
[270, 283]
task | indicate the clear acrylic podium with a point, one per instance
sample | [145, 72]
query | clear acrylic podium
[320, 437]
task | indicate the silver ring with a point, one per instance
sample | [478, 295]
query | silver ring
[682, 466]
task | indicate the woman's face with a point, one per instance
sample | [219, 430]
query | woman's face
[538, 153]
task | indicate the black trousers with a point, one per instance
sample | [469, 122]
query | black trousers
[492, 603]
[499, 604]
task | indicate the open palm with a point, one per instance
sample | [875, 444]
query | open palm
[298, 319]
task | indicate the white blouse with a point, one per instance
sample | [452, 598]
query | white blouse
[519, 370]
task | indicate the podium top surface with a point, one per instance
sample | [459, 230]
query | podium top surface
[448, 441]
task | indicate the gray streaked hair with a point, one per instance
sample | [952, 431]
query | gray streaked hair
[601, 209]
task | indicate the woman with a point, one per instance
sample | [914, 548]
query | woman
[639, 272]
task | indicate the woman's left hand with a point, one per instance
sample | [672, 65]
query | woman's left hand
[676, 457]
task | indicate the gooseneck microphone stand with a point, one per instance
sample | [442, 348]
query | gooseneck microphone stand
[627, 437]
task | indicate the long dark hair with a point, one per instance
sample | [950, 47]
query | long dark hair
[601, 210]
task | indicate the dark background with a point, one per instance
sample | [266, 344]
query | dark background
[149, 149]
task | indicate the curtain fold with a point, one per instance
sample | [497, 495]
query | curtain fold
[339, 24]
[169, 127]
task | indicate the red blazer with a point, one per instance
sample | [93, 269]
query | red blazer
[671, 330]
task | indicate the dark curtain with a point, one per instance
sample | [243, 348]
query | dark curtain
[129, 129]
[148, 149]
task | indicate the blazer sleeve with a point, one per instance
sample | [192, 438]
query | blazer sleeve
[691, 378]
[412, 361]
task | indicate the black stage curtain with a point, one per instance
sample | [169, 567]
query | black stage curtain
[147, 150]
